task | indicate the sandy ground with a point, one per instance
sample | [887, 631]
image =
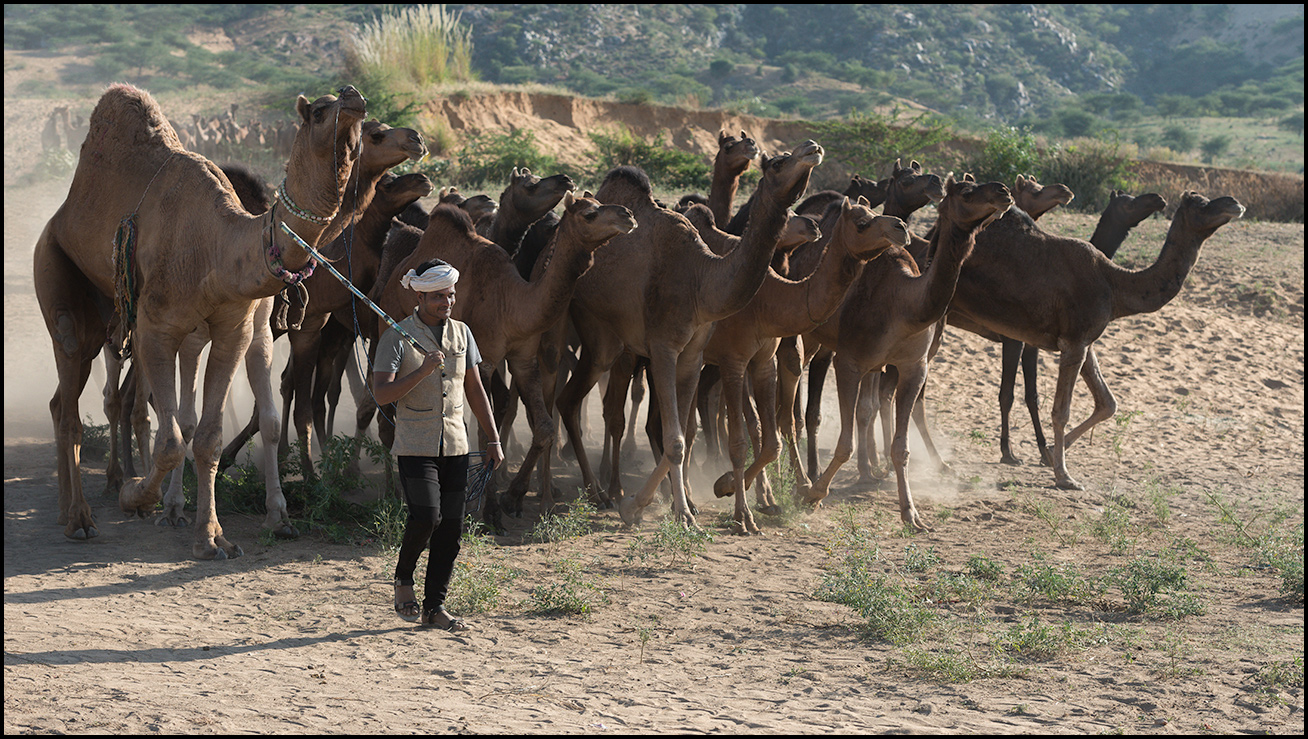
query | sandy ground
[127, 634]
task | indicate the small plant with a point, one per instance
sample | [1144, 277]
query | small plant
[644, 633]
[95, 441]
[1114, 526]
[1122, 421]
[983, 568]
[571, 522]
[572, 593]
[917, 559]
[1274, 678]
[480, 576]
[1045, 511]
[1154, 588]
[669, 545]
[1055, 583]
[1036, 641]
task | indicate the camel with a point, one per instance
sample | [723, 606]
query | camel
[907, 190]
[168, 276]
[1059, 294]
[734, 156]
[874, 191]
[525, 199]
[892, 315]
[743, 344]
[508, 314]
[657, 293]
[1124, 212]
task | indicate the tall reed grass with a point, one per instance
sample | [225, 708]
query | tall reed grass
[418, 46]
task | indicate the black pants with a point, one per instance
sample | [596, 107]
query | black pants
[434, 489]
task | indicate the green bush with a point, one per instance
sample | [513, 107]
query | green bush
[1008, 152]
[666, 166]
[487, 159]
[1090, 167]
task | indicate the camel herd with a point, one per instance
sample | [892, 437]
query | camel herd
[719, 308]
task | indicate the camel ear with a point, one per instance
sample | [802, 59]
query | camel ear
[722, 135]
[967, 177]
[1021, 182]
[897, 167]
[950, 181]
[587, 194]
[864, 202]
[915, 166]
[302, 106]
[513, 175]
[568, 200]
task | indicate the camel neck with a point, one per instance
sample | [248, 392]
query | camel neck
[1149, 289]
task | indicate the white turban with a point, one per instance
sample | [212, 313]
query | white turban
[439, 277]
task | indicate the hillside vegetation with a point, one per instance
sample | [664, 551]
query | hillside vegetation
[1064, 80]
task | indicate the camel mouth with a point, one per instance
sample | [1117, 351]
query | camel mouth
[810, 152]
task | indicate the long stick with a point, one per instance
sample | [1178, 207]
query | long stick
[357, 292]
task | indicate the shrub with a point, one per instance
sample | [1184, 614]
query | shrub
[1091, 167]
[487, 159]
[666, 166]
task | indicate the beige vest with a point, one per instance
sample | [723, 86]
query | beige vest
[429, 419]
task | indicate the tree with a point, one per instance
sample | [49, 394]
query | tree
[1178, 138]
[1292, 123]
[1215, 147]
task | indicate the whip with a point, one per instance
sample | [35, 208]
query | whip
[357, 292]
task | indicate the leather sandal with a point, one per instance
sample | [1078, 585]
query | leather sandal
[409, 610]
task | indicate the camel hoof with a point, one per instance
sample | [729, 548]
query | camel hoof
[770, 510]
[219, 550]
[82, 533]
[629, 512]
[1070, 484]
[725, 485]
[286, 531]
[178, 521]
[1010, 460]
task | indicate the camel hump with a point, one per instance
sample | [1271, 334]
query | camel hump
[128, 118]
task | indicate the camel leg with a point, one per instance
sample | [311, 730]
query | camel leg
[669, 375]
[707, 405]
[1030, 370]
[817, 376]
[258, 370]
[113, 412]
[1069, 366]
[1105, 403]
[865, 416]
[1012, 351]
[157, 360]
[763, 381]
[920, 422]
[614, 406]
[787, 417]
[527, 378]
[305, 346]
[590, 366]
[848, 380]
[77, 340]
[637, 397]
[229, 346]
[733, 481]
[188, 368]
[907, 395]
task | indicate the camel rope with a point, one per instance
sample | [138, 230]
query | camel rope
[126, 287]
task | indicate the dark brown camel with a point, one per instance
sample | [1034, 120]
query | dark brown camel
[893, 315]
[1059, 294]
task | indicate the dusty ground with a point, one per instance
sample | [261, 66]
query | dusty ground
[126, 634]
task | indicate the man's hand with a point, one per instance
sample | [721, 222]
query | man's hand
[432, 361]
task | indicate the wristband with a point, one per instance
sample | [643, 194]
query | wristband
[493, 443]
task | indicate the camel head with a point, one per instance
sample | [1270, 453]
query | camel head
[1199, 217]
[972, 206]
[592, 222]
[479, 207]
[384, 147]
[789, 172]
[799, 230]
[864, 233]
[874, 190]
[737, 153]
[395, 193]
[910, 188]
[1132, 210]
[533, 196]
[450, 196]
[1037, 199]
[326, 147]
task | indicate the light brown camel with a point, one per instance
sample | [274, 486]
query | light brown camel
[189, 254]
[743, 344]
[508, 314]
[1059, 294]
[892, 315]
[1124, 212]
[623, 376]
[657, 293]
[907, 190]
[359, 256]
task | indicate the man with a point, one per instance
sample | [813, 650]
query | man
[431, 440]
